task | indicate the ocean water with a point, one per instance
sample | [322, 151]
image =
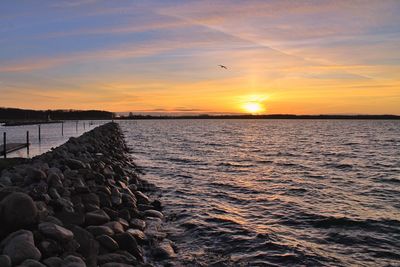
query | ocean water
[51, 135]
[275, 192]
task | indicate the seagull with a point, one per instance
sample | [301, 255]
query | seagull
[223, 67]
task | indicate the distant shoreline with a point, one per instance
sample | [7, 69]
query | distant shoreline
[270, 117]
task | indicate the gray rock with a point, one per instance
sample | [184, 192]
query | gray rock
[97, 217]
[100, 230]
[108, 242]
[137, 234]
[115, 226]
[142, 198]
[32, 263]
[13, 216]
[115, 264]
[75, 164]
[5, 261]
[128, 242]
[138, 223]
[88, 246]
[73, 261]
[153, 213]
[117, 258]
[53, 262]
[20, 246]
[164, 250]
[55, 231]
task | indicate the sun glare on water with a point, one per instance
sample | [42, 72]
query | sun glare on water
[253, 107]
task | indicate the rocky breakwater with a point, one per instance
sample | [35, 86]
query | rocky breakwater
[81, 204]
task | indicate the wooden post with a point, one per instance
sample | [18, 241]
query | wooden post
[5, 143]
[40, 138]
[27, 143]
[62, 128]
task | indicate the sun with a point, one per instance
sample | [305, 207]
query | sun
[253, 107]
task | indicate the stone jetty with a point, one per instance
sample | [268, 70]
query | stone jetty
[81, 204]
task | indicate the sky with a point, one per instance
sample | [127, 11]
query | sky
[298, 57]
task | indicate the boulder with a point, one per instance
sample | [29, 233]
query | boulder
[127, 242]
[108, 242]
[88, 246]
[5, 261]
[19, 246]
[100, 230]
[153, 213]
[138, 223]
[18, 210]
[97, 217]
[53, 262]
[55, 231]
[31, 263]
[164, 250]
[74, 164]
[73, 261]
[117, 258]
[115, 226]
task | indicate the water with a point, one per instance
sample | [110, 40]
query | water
[51, 135]
[276, 192]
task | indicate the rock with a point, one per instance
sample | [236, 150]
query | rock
[49, 248]
[108, 242]
[157, 205]
[34, 175]
[55, 231]
[116, 197]
[66, 217]
[54, 180]
[115, 226]
[73, 261]
[127, 242]
[137, 234]
[32, 263]
[117, 258]
[138, 223]
[88, 246]
[142, 198]
[20, 246]
[53, 262]
[5, 261]
[75, 164]
[164, 250]
[115, 264]
[13, 216]
[153, 213]
[97, 217]
[100, 230]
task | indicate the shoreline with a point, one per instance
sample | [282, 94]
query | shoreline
[84, 204]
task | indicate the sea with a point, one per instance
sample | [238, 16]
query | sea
[275, 192]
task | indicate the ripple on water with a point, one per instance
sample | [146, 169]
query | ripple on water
[276, 193]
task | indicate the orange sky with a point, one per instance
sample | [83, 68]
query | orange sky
[303, 57]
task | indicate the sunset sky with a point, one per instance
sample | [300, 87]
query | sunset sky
[302, 57]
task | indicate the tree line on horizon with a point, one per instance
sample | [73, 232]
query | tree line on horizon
[7, 114]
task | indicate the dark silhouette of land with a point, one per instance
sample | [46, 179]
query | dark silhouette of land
[271, 116]
[26, 116]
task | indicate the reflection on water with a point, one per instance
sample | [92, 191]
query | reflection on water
[52, 135]
[276, 192]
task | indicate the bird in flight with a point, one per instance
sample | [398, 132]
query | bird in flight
[223, 67]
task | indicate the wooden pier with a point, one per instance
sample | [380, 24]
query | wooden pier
[11, 147]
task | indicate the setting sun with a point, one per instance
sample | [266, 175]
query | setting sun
[253, 107]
